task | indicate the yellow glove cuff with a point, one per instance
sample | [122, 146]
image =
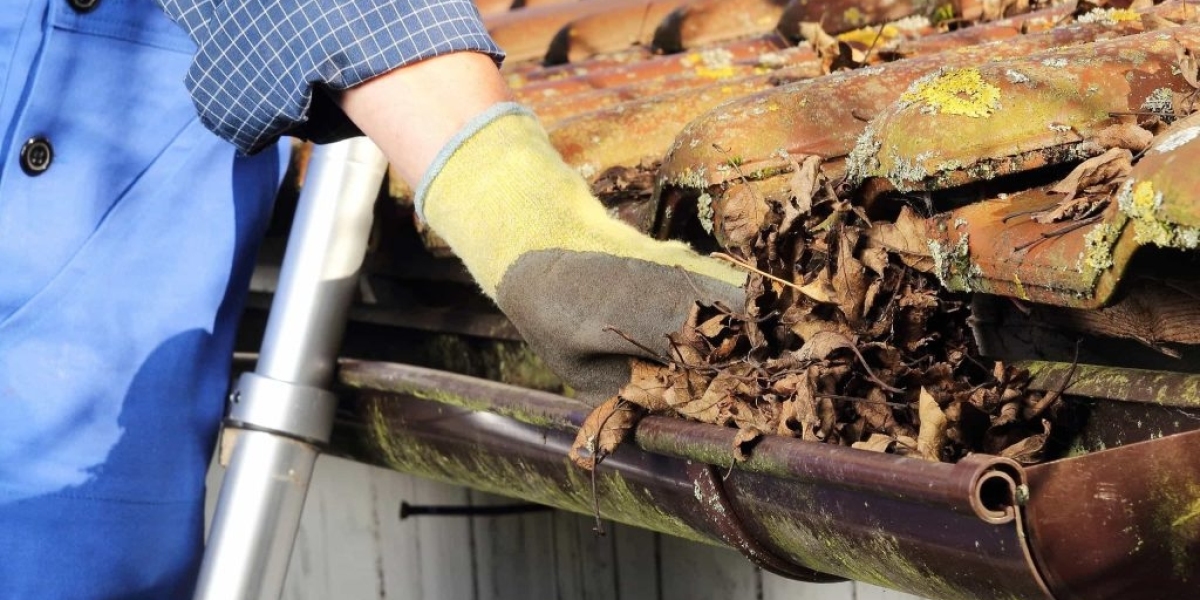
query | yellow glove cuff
[499, 190]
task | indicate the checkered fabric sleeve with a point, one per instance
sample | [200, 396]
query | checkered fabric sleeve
[260, 65]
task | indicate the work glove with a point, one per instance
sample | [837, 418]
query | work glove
[585, 290]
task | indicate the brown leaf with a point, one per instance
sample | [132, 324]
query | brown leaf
[738, 217]
[1009, 412]
[807, 325]
[820, 289]
[821, 345]
[1029, 450]
[688, 334]
[876, 413]
[745, 439]
[687, 355]
[1114, 164]
[835, 54]
[603, 430]
[1189, 67]
[815, 35]
[932, 435]
[714, 326]
[798, 416]
[1129, 136]
[998, 9]
[804, 184]
[762, 414]
[724, 350]
[850, 280]
[708, 407]
[1088, 186]
[906, 238]
[647, 386]
[878, 442]
[875, 259]
[789, 419]
[906, 445]
[686, 386]
[826, 419]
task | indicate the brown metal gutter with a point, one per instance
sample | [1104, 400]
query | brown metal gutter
[800, 509]
[1118, 523]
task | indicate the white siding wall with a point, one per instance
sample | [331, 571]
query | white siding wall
[353, 546]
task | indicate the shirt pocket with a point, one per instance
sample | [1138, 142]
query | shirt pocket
[137, 21]
[107, 95]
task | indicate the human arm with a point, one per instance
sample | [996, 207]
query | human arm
[490, 183]
[265, 68]
[526, 225]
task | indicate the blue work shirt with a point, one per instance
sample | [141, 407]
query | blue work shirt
[127, 233]
[123, 265]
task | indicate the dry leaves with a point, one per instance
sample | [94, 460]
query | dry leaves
[1089, 187]
[932, 435]
[603, 430]
[846, 338]
[835, 54]
[906, 239]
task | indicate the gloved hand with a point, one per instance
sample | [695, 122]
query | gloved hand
[529, 230]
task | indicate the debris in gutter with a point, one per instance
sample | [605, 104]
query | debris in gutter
[845, 339]
[850, 335]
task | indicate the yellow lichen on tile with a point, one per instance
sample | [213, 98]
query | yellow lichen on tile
[710, 64]
[1143, 198]
[1109, 16]
[854, 16]
[955, 92]
[868, 36]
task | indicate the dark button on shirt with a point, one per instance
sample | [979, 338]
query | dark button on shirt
[36, 156]
[82, 6]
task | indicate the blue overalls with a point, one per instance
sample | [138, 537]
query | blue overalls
[127, 233]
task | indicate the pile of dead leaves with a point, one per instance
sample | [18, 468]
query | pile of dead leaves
[845, 339]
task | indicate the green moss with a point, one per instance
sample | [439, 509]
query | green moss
[473, 404]
[625, 502]
[1170, 389]
[878, 558]
[1177, 522]
[619, 499]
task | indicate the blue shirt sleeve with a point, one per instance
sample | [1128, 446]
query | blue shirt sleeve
[261, 65]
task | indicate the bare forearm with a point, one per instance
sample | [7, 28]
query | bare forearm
[413, 111]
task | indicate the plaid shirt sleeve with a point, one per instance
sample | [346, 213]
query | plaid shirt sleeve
[260, 64]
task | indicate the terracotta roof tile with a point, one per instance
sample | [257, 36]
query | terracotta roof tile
[986, 107]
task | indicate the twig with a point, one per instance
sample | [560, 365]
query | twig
[654, 355]
[870, 373]
[599, 528]
[1053, 395]
[645, 19]
[857, 399]
[622, 405]
[867, 54]
[1057, 232]
[687, 276]
[1137, 113]
[749, 267]
[1031, 211]
[745, 180]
